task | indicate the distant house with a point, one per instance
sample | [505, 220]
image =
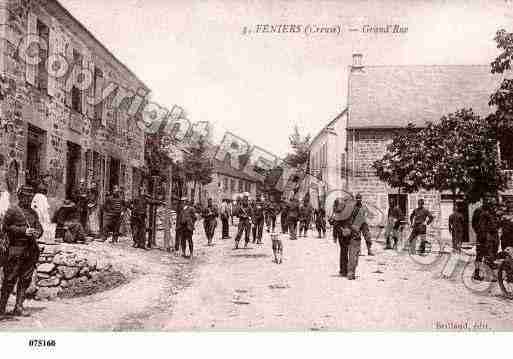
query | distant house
[384, 99]
[229, 182]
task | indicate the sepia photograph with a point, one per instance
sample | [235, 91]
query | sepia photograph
[255, 166]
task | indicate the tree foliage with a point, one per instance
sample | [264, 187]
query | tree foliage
[300, 154]
[197, 164]
[457, 154]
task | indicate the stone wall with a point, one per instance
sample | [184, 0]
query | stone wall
[63, 265]
[365, 147]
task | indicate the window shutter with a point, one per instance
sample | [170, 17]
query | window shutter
[86, 59]
[68, 49]
[30, 70]
[53, 48]
[91, 93]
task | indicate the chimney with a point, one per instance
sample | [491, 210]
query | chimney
[357, 61]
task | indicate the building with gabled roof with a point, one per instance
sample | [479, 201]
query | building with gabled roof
[384, 99]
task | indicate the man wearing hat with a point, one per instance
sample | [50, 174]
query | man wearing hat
[210, 214]
[23, 229]
[243, 211]
[138, 213]
[293, 215]
[81, 199]
[418, 223]
[112, 210]
[185, 226]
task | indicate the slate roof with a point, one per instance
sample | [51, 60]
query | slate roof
[227, 170]
[393, 96]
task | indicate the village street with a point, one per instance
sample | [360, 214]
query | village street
[231, 289]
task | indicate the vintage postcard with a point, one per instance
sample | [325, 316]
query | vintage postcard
[264, 165]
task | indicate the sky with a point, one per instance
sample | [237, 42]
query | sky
[260, 85]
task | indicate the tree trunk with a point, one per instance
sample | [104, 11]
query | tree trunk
[167, 216]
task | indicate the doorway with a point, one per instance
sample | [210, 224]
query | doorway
[114, 168]
[401, 200]
[35, 151]
[73, 161]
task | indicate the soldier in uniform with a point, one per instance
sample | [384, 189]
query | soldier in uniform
[243, 211]
[271, 210]
[320, 221]
[305, 218]
[456, 228]
[210, 214]
[21, 225]
[185, 225]
[418, 222]
[81, 199]
[112, 211]
[258, 221]
[293, 215]
[488, 239]
[139, 210]
[284, 217]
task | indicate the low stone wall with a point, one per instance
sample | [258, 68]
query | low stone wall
[64, 265]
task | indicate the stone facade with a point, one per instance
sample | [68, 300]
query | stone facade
[366, 146]
[43, 111]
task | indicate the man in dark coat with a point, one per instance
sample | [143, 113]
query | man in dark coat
[81, 199]
[293, 215]
[23, 229]
[457, 229]
[68, 225]
[418, 223]
[139, 211]
[348, 217]
[284, 217]
[271, 211]
[185, 225]
[243, 212]
[112, 211]
[305, 218]
[210, 214]
[395, 216]
[488, 245]
[258, 221]
[320, 221]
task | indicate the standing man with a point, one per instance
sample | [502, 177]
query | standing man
[305, 217]
[418, 222]
[23, 229]
[243, 211]
[489, 236]
[113, 209]
[293, 215]
[271, 210]
[185, 225]
[225, 218]
[81, 199]
[456, 228]
[210, 214]
[139, 210]
[284, 216]
[258, 221]
[320, 221]
[395, 215]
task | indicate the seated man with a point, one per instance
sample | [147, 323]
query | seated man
[69, 228]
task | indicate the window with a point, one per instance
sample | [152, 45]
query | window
[76, 99]
[98, 84]
[225, 184]
[76, 94]
[241, 186]
[232, 185]
[42, 75]
[248, 186]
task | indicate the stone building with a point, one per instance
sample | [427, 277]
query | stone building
[229, 182]
[384, 99]
[48, 123]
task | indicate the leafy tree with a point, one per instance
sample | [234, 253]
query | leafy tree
[300, 154]
[197, 165]
[456, 154]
